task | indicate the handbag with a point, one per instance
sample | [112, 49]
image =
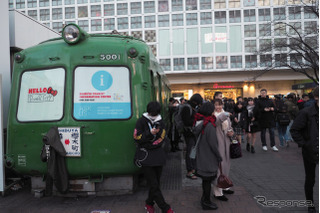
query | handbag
[235, 149]
[283, 119]
[193, 152]
[223, 181]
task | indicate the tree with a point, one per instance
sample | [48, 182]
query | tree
[294, 49]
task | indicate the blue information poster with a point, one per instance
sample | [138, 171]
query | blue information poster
[102, 93]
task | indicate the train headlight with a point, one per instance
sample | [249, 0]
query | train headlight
[72, 34]
[132, 52]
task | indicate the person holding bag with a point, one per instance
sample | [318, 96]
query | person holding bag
[207, 155]
[224, 134]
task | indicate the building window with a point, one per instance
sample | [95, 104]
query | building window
[177, 5]
[264, 2]
[296, 60]
[250, 30]
[149, 7]
[279, 2]
[177, 19]
[250, 46]
[95, 10]
[249, 15]
[149, 21]
[163, 6]
[294, 13]
[82, 11]
[279, 13]
[280, 29]
[207, 63]
[192, 18]
[264, 29]
[70, 13]
[42, 3]
[57, 26]
[193, 63]
[205, 4]
[281, 60]
[109, 24]
[33, 14]
[150, 36]
[220, 17]
[96, 25]
[265, 45]
[236, 61]
[84, 24]
[136, 34]
[206, 18]
[21, 3]
[56, 2]
[32, 3]
[310, 12]
[248, 3]
[44, 15]
[295, 28]
[178, 64]
[235, 16]
[135, 7]
[163, 20]
[109, 10]
[122, 23]
[10, 3]
[218, 4]
[136, 22]
[165, 64]
[280, 44]
[265, 60]
[82, 1]
[122, 9]
[191, 5]
[309, 27]
[264, 14]
[251, 61]
[234, 3]
[297, 2]
[56, 13]
[68, 2]
[221, 62]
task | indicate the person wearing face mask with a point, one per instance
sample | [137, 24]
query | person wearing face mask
[149, 135]
[305, 132]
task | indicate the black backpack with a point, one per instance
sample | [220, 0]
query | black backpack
[178, 119]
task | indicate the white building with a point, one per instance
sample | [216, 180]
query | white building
[203, 45]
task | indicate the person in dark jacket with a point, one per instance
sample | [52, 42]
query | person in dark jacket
[149, 135]
[239, 121]
[266, 120]
[208, 156]
[281, 110]
[305, 132]
[187, 114]
[301, 102]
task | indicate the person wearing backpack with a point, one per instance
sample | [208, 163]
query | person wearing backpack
[292, 112]
[282, 120]
[186, 114]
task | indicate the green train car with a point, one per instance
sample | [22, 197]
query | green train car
[94, 87]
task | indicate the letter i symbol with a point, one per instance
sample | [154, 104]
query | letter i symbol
[101, 80]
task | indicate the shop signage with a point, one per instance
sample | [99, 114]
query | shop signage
[70, 139]
[216, 86]
[221, 37]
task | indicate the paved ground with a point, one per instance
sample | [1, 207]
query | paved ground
[274, 175]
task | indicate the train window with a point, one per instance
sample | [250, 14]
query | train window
[102, 93]
[41, 95]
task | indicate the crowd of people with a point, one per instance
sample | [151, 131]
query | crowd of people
[211, 125]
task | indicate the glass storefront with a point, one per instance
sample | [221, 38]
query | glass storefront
[230, 93]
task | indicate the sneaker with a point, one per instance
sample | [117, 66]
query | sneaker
[274, 148]
[149, 208]
[170, 211]
[265, 148]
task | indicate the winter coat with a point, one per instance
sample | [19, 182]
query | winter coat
[266, 119]
[242, 122]
[223, 144]
[208, 156]
[292, 109]
[151, 143]
[305, 132]
[252, 126]
[56, 165]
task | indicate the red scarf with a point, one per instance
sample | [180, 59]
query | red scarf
[206, 120]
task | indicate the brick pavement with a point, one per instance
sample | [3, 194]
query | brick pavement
[274, 175]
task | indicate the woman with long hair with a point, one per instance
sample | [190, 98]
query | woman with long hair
[252, 124]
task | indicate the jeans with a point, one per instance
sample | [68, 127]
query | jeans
[282, 132]
[288, 131]
[310, 171]
[190, 142]
[153, 174]
[263, 137]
